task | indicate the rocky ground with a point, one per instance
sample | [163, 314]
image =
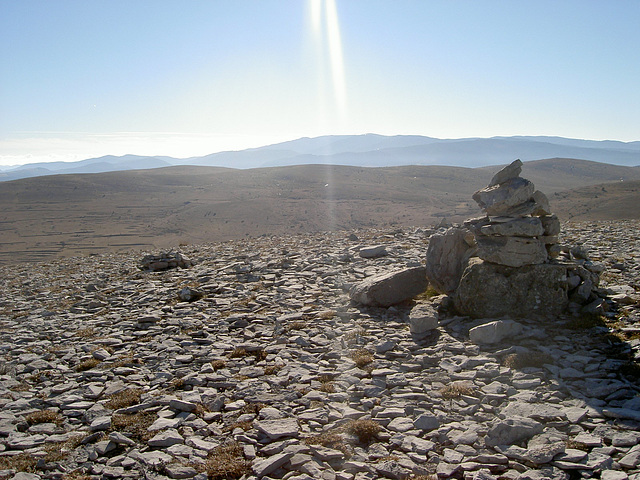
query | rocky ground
[254, 364]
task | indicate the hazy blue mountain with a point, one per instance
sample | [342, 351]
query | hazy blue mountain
[370, 150]
[108, 163]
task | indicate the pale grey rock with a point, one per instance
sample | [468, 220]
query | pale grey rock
[182, 405]
[121, 439]
[494, 332]
[392, 469]
[426, 422]
[286, 427]
[423, 318]
[542, 206]
[631, 459]
[511, 251]
[447, 257]
[373, 252]
[550, 224]
[100, 424]
[518, 227]
[507, 173]
[502, 198]
[180, 471]
[166, 439]
[613, 475]
[265, 466]
[491, 291]
[390, 288]
[512, 431]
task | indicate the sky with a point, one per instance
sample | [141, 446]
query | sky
[81, 79]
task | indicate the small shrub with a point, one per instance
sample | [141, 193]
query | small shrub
[272, 369]
[326, 384]
[528, 359]
[226, 462]
[630, 369]
[297, 325]
[244, 425]
[125, 398]
[353, 335]
[586, 321]
[218, 364]
[362, 357]
[365, 430]
[456, 390]
[330, 440]
[87, 365]
[428, 294]
[88, 332]
[253, 408]
[135, 425]
[240, 352]
[23, 462]
[44, 416]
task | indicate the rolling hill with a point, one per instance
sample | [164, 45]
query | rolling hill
[368, 150]
[63, 215]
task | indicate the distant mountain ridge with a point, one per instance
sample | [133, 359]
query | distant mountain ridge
[369, 150]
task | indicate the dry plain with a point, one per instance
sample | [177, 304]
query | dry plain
[55, 216]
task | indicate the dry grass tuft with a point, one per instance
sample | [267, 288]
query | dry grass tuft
[87, 365]
[239, 352]
[297, 325]
[22, 462]
[428, 294]
[330, 440]
[135, 426]
[362, 357]
[585, 322]
[354, 335]
[529, 359]
[244, 425]
[44, 416]
[86, 332]
[218, 364]
[76, 475]
[272, 369]
[226, 462]
[365, 430]
[456, 390]
[125, 398]
[253, 408]
[326, 384]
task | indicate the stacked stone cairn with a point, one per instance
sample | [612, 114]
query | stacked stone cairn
[509, 262]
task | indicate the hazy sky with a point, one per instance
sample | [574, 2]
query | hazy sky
[190, 77]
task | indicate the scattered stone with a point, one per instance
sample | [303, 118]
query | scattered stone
[264, 368]
[390, 288]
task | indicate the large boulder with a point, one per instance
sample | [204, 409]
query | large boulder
[447, 257]
[390, 288]
[487, 290]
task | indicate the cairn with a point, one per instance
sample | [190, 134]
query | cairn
[509, 262]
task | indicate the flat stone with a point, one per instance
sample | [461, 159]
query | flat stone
[285, 427]
[390, 288]
[511, 251]
[265, 466]
[494, 332]
[166, 439]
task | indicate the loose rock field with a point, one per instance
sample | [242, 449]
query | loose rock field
[253, 363]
